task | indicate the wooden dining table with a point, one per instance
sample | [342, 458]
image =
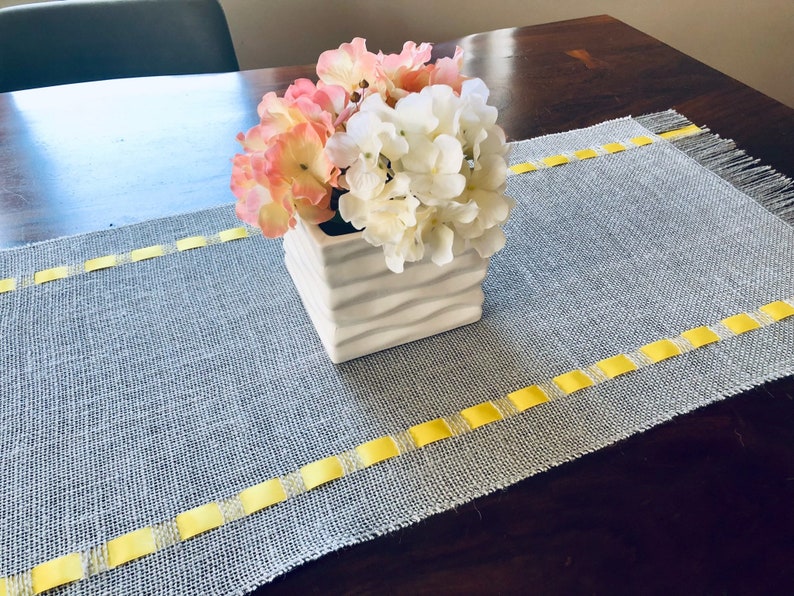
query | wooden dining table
[701, 504]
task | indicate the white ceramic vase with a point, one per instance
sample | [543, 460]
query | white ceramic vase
[358, 306]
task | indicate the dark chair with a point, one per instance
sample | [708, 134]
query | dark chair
[71, 41]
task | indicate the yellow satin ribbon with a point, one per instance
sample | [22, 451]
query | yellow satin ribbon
[238, 233]
[11, 284]
[204, 518]
[608, 148]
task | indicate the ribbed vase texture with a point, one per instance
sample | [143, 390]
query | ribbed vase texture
[358, 306]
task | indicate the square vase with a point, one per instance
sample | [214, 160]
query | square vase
[358, 306]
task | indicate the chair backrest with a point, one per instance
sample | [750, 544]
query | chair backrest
[71, 41]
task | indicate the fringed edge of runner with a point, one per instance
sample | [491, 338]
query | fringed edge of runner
[768, 187]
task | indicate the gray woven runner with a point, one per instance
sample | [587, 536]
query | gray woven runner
[135, 393]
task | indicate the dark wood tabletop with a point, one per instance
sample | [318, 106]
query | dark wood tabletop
[701, 505]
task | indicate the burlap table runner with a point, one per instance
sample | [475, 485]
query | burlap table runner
[153, 385]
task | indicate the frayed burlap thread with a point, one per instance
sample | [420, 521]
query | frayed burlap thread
[134, 393]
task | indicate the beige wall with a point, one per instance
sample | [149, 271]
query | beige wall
[751, 40]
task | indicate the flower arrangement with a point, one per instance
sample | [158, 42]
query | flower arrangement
[412, 145]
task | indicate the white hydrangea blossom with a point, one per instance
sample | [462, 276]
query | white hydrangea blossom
[426, 177]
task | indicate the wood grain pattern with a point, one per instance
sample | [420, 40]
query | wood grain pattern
[700, 505]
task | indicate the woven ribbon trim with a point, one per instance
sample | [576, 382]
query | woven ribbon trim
[271, 492]
[313, 475]
[9, 284]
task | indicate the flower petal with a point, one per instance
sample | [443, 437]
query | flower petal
[275, 220]
[314, 214]
[441, 240]
[342, 150]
